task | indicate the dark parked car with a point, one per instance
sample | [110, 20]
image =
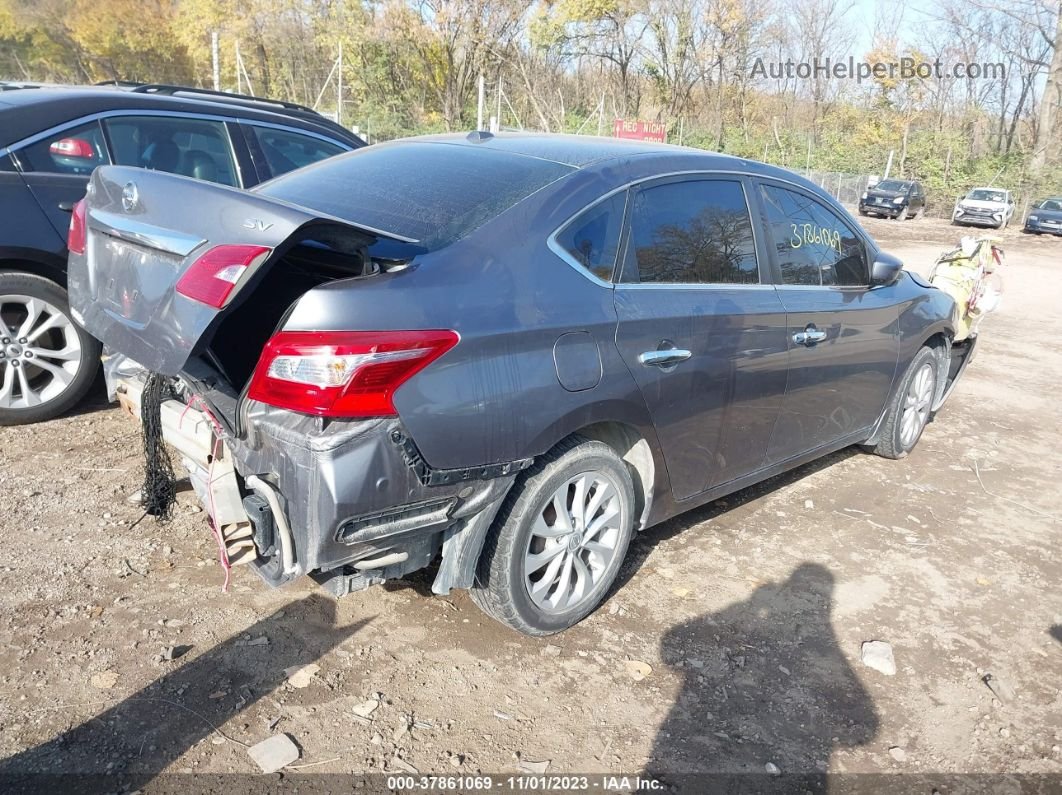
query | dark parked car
[894, 198]
[51, 138]
[1045, 216]
[511, 351]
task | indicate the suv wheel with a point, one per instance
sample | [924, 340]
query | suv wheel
[911, 406]
[559, 540]
[47, 362]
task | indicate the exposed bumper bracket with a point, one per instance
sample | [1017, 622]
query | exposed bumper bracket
[430, 476]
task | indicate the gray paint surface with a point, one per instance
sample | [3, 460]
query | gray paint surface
[545, 351]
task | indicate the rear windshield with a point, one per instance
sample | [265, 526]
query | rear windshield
[431, 192]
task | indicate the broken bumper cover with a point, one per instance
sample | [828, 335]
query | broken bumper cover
[344, 499]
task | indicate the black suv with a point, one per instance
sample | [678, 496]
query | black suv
[894, 198]
[51, 139]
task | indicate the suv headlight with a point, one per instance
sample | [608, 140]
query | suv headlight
[899, 200]
[864, 196]
[1034, 218]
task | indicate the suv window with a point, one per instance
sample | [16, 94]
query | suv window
[691, 232]
[72, 151]
[193, 147]
[592, 238]
[286, 151]
[814, 246]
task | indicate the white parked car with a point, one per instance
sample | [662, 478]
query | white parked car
[984, 207]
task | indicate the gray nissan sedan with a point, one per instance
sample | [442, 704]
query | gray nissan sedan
[507, 353]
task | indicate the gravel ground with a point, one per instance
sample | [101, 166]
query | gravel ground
[732, 644]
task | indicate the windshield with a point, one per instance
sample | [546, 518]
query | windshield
[981, 195]
[1050, 204]
[893, 185]
[433, 193]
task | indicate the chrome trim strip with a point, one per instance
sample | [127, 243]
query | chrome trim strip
[125, 228]
[32, 139]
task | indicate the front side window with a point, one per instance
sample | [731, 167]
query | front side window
[592, 239]
[77, 151]
[691, 232]
[813, 245]
[286, 151]
[196, 148]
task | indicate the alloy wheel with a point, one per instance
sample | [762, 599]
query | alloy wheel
[573, 542]
[916, 404]
[40, 352]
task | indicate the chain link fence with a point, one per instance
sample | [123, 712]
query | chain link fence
[846, 188]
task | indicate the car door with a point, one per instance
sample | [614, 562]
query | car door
[918, 197]
[700, 329]
[842, 335]
[192, 146]
[57, 166]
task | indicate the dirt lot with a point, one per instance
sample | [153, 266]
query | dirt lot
[748, 614]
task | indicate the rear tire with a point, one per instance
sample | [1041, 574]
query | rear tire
[910, 408]
[559, 540]
[48, 361]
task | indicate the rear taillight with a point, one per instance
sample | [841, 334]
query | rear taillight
[343, 373]
[211, 278]
[75, 238]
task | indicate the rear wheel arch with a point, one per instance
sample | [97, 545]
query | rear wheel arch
[631, 446]
[52, 273]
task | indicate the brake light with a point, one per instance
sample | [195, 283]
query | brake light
[343, 373]
[210, 278]
[72, 147]
[75, 237]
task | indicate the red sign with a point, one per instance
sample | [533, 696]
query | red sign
[640, 130]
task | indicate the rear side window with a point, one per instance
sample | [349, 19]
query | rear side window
[592, 239]
[286, 151]
[814, 246]
[434, 193]
[73, 151]
[193, 147]
[691, 232]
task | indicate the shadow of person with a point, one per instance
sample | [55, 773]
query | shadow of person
[765, 683]
[1056, 632]
[128, 745]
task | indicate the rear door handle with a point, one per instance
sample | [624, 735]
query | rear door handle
[664, 358]
[809, 336]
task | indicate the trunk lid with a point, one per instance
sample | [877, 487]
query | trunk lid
[145, 229]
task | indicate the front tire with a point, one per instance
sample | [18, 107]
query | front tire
[910, 408]
[47, 362]
[558, 542]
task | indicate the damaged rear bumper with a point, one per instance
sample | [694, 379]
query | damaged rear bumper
[349, 502]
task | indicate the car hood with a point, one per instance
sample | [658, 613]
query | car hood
[883, 194]
[979, 204]
[1046, 215]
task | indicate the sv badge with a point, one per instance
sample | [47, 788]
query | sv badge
[256, 224]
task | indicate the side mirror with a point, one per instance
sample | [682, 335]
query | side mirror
[885, 270]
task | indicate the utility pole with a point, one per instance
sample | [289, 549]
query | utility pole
[498, 115]
[339, 87]
[215, 54]
[482, 99]
[239, 79]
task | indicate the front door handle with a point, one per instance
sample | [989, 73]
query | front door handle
[665, 358]
[809, 336]
[66, 207]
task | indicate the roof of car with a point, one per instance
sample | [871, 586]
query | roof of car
[577, 151]
[45, 107]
